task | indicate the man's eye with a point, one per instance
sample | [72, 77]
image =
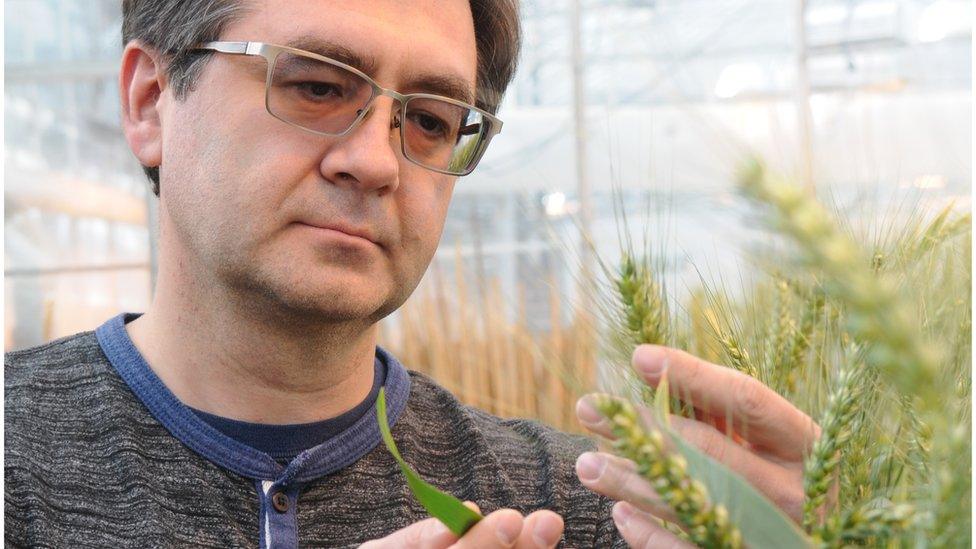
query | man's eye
[318, 90]
[429, 124]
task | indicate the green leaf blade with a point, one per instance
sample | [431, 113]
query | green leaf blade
[448, 509]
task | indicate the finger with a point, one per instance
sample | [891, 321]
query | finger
[780, 482]
[497, 530]
[617, 478]
[429, 533]
[783, 485]
[594, 420]
[703, 436]
[541, 530]
[758, 413]
[721, 448]
[590, 417]
[642, 531]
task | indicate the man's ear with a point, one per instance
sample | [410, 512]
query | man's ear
[142, 80]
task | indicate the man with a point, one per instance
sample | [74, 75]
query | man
[301, 198]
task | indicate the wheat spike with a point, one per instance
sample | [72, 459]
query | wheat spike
[708, 525]
[804, 334]
[875, 312]
[645, 311]
[778, 357]
[941, 229]
[869, 523]
[837, 428]
[738, 357]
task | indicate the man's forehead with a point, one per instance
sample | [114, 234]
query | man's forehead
[423, 43]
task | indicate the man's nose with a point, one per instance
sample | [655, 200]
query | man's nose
[368, 155]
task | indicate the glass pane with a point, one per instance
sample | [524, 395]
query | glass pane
[316, 95]
[440, 134]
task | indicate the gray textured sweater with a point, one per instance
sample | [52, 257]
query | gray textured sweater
[93, 459]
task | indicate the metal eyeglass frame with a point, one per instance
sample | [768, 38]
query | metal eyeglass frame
[270, 53]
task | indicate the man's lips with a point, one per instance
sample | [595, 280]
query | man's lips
[360, 233]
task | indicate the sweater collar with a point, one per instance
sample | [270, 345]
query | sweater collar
[332, 455]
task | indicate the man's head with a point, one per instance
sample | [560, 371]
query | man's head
[175, 26]
[244, 194]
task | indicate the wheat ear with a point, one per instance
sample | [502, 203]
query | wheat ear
[837, 428]
[804, 335]
[869, 522]
[875, 312]
[708, 525]
[778, 365]
[739, 358]
[646, 313]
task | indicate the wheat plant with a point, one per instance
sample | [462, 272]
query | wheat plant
[872, 340]
[866, 329]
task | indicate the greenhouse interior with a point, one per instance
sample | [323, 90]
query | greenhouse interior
[670, 89]
[781, 187]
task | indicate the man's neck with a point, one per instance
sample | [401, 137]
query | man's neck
[236, 363]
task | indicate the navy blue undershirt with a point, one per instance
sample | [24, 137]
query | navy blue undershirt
[284, 442]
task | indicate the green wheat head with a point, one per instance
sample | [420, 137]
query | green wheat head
[707, 525]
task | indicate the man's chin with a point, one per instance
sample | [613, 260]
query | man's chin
[342, 300]
[316, 309]
[318, 303]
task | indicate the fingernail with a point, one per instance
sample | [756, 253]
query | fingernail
[621, 514]
[587, 412]
[590, 466]
[546, 533]
[508, 530]
[650, 360]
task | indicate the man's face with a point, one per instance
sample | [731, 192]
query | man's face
[245, 193]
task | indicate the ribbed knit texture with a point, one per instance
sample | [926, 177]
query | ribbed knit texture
[87, 465]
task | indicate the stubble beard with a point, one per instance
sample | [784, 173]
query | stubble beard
[277, 291]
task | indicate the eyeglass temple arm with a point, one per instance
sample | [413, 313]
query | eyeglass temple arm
[225, 47]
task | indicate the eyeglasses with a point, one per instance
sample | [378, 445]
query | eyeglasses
[327, 97]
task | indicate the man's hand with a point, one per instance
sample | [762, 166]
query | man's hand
[769, 439]
[503, 528]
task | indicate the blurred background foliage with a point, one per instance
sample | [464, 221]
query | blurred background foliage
[869, 101]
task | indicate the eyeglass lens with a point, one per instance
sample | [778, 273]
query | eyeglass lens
[327, 98]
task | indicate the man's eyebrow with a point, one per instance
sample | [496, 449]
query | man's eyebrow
[335, 51]
[448, 85]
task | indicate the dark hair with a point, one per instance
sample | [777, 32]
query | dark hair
[174, 26]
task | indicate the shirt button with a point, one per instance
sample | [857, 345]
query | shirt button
[280, 502]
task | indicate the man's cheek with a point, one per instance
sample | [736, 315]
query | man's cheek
[420, 239]
[409, 260]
